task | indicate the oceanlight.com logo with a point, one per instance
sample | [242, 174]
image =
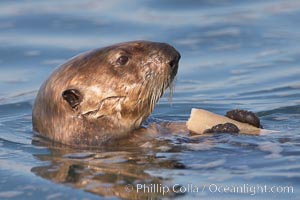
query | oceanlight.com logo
[208, 188]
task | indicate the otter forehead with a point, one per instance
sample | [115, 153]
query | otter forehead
[102, 64]
[140, 51]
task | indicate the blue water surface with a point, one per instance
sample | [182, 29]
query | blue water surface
[235, 54]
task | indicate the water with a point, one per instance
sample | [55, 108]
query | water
[235, 54]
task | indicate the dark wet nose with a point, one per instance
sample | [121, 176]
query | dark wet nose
[175, 60]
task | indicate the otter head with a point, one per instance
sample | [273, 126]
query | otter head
[104, 94]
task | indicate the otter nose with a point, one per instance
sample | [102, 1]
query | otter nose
[174, 60]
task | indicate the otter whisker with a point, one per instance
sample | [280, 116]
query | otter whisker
[171, 90]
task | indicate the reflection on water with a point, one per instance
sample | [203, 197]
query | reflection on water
[234, 55]
[116, 173]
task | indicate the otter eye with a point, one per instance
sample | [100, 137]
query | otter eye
[122, 60]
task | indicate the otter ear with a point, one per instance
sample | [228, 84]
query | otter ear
[73, 97]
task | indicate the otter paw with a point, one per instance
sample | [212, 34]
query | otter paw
[223, 128]
[244, 117]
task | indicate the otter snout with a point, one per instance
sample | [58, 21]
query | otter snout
[174, 63]
[171, 57]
